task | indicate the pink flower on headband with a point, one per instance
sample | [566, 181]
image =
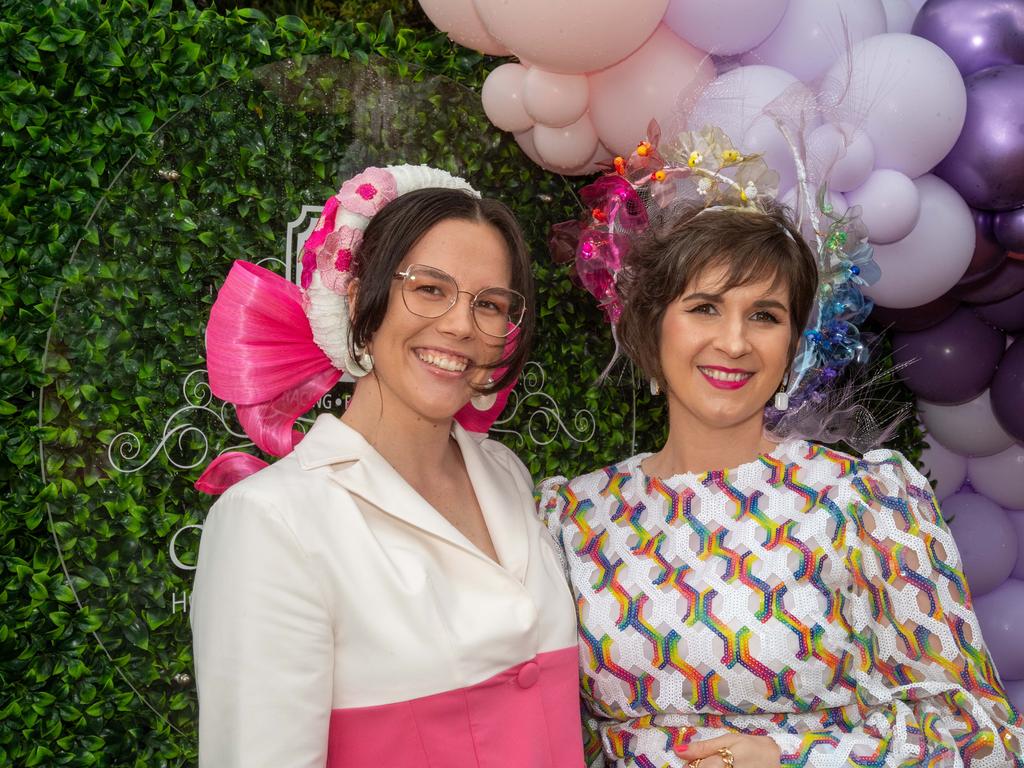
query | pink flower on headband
[368, 192]
[334, 260]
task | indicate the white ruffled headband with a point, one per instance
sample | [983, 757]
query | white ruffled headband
[273, 349]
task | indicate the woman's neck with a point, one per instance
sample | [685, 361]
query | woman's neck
[695, 446]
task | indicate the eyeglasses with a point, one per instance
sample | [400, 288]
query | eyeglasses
[430, 292]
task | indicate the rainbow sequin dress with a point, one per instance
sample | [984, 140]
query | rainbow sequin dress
[807, 595]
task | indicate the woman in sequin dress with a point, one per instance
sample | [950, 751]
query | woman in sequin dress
[743, 601]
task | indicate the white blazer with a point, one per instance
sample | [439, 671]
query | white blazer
[326, 584]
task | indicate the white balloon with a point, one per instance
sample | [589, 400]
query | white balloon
[839, 154]
[899, 15]
[890, 205]
[502, 98]
[969, 429]
[933, 257]
[555, 99]
[946, 470]
[1000, 477]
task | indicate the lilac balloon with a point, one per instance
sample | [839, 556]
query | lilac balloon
[1008, 228]
[951, 362]
[1015, 693]
[988, 254]
[1017, 518]
[1004, 282]
[916, 318]
[899, 15]
[1000, 477]
[975, 33]
[946, 470]
[970, 429]
[1001, 615]
[986, 165]
[1008, 391]
[985, 537]
[1007, 314]
[726, 26]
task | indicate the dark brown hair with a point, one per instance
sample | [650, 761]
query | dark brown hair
[684, 241]
[393, 232]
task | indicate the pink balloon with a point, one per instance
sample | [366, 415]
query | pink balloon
[946, 470]
[724, 27]
[656, 81]
[1001, 615]
[1017, 518]
[553, 99]
[970, 428]
[899, 15]
[572, 36]
[840, 154]
[907, 95]
[459, 20]
[568, 147]
[502, 97]
[525, 141]
[985, 537]
[890, 205]
[931, 259]
[813, 34]
[1000, 476]
[742, 103]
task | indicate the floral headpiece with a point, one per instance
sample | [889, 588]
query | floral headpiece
[704, 165]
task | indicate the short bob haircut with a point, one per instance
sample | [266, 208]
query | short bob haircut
[686, 240]
[393, 232]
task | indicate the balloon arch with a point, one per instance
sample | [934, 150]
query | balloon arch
[908, 109]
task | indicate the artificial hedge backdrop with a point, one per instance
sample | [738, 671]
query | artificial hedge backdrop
[145, 146]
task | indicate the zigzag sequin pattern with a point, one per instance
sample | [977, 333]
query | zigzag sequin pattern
[808, 595]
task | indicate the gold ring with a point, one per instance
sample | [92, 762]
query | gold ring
[694, 763]
[726, 754]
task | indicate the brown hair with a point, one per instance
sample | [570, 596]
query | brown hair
[393, 232]
[684, 241]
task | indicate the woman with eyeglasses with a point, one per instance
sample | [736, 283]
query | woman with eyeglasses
[384, 594]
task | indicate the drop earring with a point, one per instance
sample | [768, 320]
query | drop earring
[655, 388]
[362, 364]
[781, 401]
[484, 402]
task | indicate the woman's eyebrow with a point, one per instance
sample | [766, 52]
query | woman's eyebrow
[766, 303]
[715, 297]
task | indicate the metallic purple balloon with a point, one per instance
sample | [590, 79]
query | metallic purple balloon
[986, 165]
[952, 362]
[915, 318]
[1008, 228]
[1008, 391]
[988, 254]
[1001, 284]
[1007, 314]
[975, 33]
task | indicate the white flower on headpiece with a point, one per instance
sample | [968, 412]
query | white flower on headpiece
[750, 190]
[704, 185]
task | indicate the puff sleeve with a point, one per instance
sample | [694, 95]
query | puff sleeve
[263, 642]
[926, 686]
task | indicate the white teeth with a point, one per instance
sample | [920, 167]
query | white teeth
[723, 376]
[444, 362]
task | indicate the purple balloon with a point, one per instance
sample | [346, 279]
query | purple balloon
[1017, 518]
[986, 538]
[989, 255]
[986, 165]
[1008, 228]
[951, 362]
[1008, 391]
[1007, 314]
[1015, 693]
[975, 33]
[1003, 283]
[1001, 615]
[916, 318]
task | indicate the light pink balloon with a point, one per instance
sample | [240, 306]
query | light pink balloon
[659, 80]
[1000, 477]
[572, 36]
[969, 429]
[742, 103]
[459, 20]
[1017, 518]
[933, 257]
[525, 141]
[839, 154]
[502, 97]
[724, 27]
[907, 95]
[554, 99]
[813, 34]
[899, 15]
[985, 537]
[565, 148]
[946, 470]
[599, 162]
[890, 205]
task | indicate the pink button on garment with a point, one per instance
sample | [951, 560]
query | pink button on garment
[528, 675]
